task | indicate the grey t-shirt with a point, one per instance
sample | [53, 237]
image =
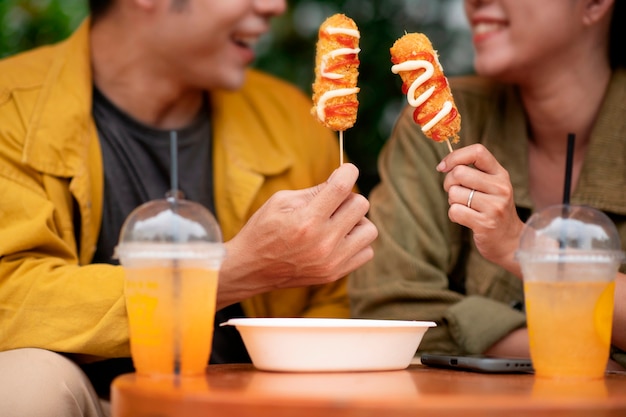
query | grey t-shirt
[137, 165]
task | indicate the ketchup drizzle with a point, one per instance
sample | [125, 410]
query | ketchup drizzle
[341, 109]
[440, 84]
[345, 40]
[346, 61]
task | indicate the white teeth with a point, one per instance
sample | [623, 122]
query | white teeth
[481, 28]
[249, 41]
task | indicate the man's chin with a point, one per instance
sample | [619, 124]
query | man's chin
[234, 80]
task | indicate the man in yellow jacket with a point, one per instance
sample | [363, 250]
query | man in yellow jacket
[81, 144]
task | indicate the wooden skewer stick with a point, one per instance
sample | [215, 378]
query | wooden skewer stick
[449, 145]
[340, 147]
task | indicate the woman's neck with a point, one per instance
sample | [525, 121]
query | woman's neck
[566, 103]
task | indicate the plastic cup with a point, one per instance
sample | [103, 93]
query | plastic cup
[569, 257]
[171, 251]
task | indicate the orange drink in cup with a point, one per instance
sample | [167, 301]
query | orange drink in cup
[171, 329]
[584, 312]
[569, 257]
[171, 252]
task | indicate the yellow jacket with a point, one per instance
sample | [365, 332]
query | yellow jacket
[51, 186]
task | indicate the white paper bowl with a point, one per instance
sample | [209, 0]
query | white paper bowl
[330, 345]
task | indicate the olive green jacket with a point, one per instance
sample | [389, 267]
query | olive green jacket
[423, 260]
[51, 187]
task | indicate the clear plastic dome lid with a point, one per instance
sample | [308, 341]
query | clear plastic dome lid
[169, 222]
[575, 230]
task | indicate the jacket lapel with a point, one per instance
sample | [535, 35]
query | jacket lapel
[245, 154]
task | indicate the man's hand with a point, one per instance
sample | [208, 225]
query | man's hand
[298, 238]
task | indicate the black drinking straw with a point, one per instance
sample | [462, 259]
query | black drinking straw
[174, 162]
[175, 266]
[571, 138]
[569, 161]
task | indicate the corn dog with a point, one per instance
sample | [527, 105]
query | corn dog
[335, 103]
[426, 87]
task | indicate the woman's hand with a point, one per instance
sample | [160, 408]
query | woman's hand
[481, 198]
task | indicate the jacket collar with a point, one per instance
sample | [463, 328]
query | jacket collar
[247, 151]
[58, 132]
[247, 126]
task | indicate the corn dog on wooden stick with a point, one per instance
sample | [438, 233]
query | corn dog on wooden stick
[335, 102]
[426, 87]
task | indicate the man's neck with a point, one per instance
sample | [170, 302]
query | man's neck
[130, 78]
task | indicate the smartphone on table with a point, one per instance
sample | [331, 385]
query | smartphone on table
[478, 363]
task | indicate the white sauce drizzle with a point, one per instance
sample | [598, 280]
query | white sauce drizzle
[425, 76]
[321, 104]
[445, 110]
[335, 54]
[343, 31]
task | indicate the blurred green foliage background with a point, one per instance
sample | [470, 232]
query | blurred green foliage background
[289, 51]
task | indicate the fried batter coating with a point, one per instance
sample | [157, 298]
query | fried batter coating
[416, 56]
[336, 72]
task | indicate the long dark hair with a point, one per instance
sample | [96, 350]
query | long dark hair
[617, 50]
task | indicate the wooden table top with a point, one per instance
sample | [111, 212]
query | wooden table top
[241, 390]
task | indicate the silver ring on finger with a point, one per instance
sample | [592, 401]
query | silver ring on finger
[469, 199]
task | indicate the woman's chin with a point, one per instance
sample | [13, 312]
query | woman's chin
[490, 68]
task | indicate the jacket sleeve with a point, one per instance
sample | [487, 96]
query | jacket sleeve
[46, 299]
[421, 258]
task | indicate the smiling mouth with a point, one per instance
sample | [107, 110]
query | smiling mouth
[487, 27]
[246, 41]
